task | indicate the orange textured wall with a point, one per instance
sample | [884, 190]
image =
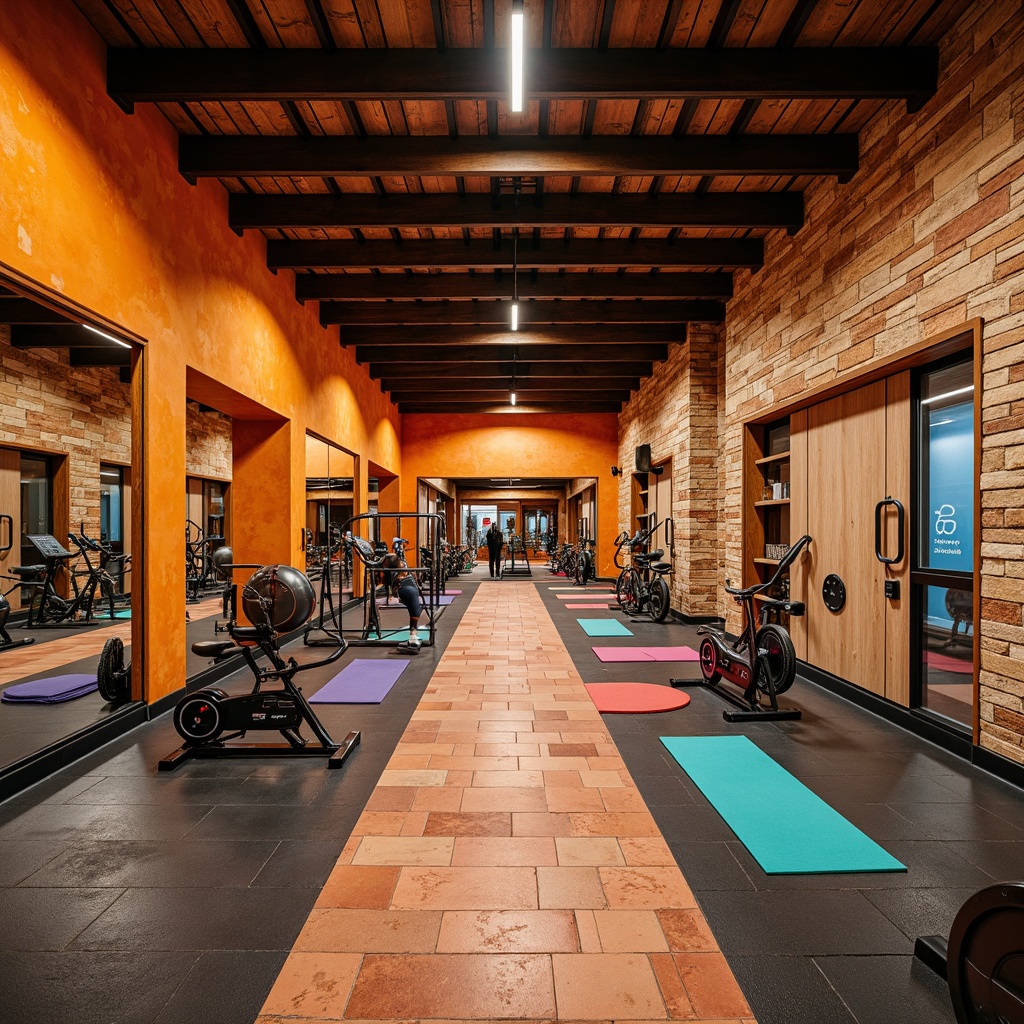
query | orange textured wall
[92, 207]
[517, 444]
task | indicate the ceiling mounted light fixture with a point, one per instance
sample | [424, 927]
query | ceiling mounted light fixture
[512, 383]
[516, 58]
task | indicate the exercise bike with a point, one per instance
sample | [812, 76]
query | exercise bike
[641, 586]
[762, 660]
[278, 599]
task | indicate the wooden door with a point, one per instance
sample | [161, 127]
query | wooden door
[846, 443]
[10, 505]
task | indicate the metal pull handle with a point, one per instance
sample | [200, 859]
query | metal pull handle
[900, 517]
[8, 521]
[670, 534]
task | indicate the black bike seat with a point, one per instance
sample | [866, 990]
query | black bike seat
[247, 632]
[27, 570]
[662, 566]
[212, 648]
[650, 556]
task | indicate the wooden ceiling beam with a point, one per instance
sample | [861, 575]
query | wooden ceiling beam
[495, 392]
[100, 357]
[59, 335]
[521, 408]
[366, 287]
[236, 156]
[290, 254]
[18, 310]
[621, 336]
[530, 312]
[453, 373]
[628, 353]
[586, 209]
[196, 75]
[526, 383]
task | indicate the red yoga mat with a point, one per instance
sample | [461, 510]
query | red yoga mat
[635, 698]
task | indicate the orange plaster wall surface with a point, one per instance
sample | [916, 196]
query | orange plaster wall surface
[92, 207]
[517, 445]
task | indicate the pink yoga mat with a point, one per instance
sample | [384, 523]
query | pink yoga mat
[646, 653]
[580, 594]
[946, 663]
[603, 607]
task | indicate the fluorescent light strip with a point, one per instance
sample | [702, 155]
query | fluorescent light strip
[948, 394]
[512, 397]
[515, 316]
[109, 337]
[516, 100]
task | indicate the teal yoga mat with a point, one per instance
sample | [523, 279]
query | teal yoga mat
[787, 828]
[604, 627]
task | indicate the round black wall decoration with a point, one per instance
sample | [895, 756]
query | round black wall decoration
[833, 592]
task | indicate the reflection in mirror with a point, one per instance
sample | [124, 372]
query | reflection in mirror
[66, 561]
[330, 475]
[207, 525]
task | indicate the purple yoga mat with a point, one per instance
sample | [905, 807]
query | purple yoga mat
[395, 603]
[363, 681]
[53, 690]
[646, 653]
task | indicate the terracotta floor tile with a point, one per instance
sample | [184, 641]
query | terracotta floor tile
[673, 991]
[391, 798]
[463, 823]
[437, 798]
[621, 986]
[401, 761]
[590, 940]
[508, 931]
[601, 780]
[424, 777]
[623, 800]
[710, 985]
[403, 850]
[523, 851]
[570, 888]
[467, 888]
[379, 823]
[534, 824]
[687, 931]
[551, 716]
[356, 887]
[473, 763]
[496, 987]
[630, 931]
[596, 852]
[613, 825]
[508, 779]
[562, 800]
[653, 888]
[504, 800]
[563, 780]
[640, 851]
[572, 750]
[370, 931]
[313, 984]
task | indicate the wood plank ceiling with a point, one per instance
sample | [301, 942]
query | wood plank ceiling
[372, 143]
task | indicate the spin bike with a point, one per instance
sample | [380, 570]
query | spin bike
[278, 599]
[761, 661]
[641, 586]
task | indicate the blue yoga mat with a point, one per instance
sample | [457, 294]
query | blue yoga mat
[788, 829]
[604, 627]
[363, 681]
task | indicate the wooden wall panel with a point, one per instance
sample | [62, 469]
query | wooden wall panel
[10, 504]
[798, 574]
[897, 484]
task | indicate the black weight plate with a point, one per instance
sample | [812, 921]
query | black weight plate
[985, 957]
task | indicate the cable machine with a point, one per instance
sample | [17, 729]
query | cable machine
[367, 535]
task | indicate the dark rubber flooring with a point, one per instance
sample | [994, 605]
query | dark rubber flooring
[827, 949]
[135, 897]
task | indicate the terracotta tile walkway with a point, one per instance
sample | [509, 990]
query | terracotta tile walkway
[505, 865]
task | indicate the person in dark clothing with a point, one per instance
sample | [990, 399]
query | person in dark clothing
[495, 542]
[403, 585]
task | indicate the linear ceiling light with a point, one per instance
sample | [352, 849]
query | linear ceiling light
[109, 337]
[516, 99]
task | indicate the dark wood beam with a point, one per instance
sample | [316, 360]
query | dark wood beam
[596, 335]
[454, 373]
[520, 408]
[366, 287]
[16, 310]
[235, 156]
[100, 357]
[530, 312]
[289, 254]
[429, 382]
[497, 393]
[586, 209]
[533, 355]
[195, 75]
[62, 335]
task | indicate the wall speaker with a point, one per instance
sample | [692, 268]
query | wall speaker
[643, 458]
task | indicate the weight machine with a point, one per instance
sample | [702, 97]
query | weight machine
[369, 546]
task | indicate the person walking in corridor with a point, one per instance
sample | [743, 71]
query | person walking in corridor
[495, 542]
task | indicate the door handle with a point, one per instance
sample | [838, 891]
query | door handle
[900, 519]
[8, 521]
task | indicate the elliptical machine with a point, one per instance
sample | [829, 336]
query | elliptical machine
[278, 598]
